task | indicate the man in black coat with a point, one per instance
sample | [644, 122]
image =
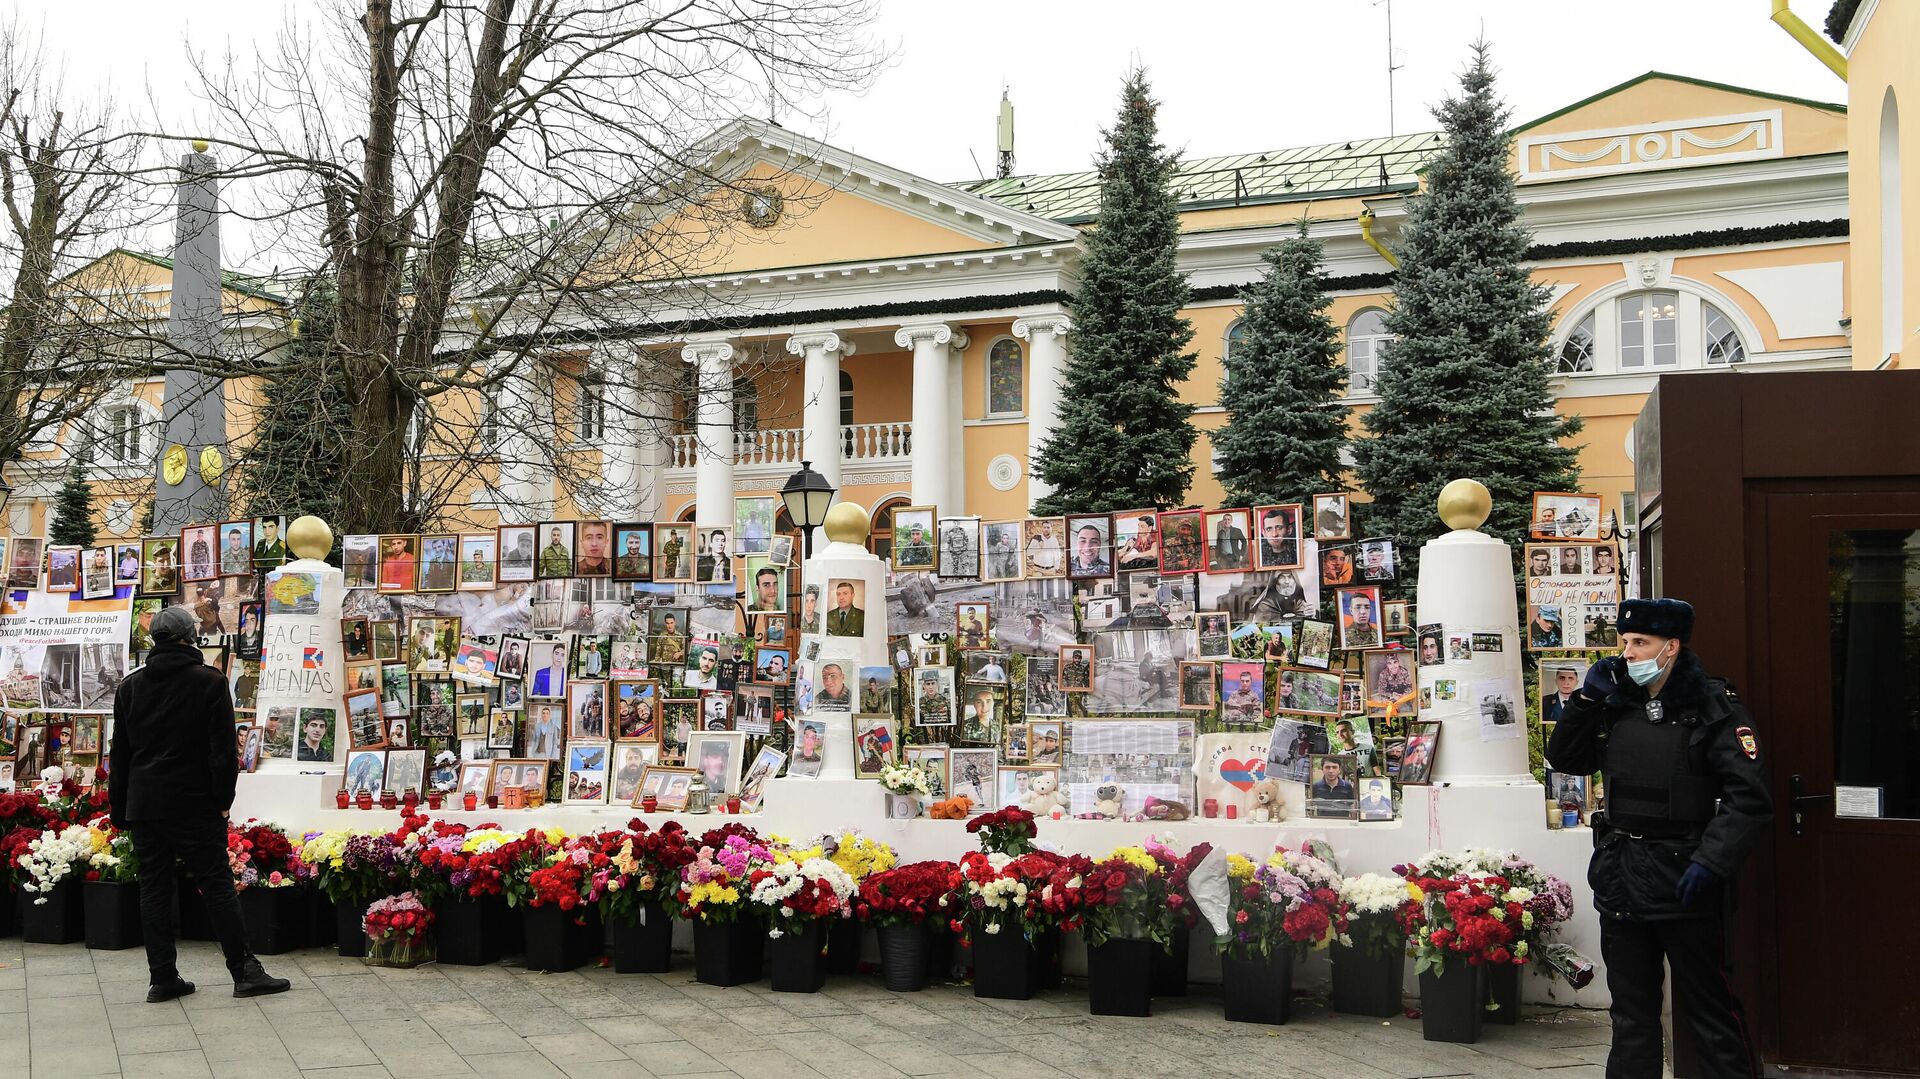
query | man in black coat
[1687, 800]
[171, 784]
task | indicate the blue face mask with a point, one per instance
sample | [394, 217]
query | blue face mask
[1643, 671]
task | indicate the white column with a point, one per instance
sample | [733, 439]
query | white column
[713, 475]
[956, 433]
[620, 455]
[933, 345]
[526, 431]
[821, 388]
[1046, 365]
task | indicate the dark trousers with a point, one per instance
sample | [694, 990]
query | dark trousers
[200, 844]
[1637, 954]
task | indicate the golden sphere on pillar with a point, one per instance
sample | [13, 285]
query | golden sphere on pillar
[847, 523]
[199, 146]
[309, 537]
[1465, 504]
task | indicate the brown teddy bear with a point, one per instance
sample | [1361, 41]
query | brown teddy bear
[1267, 806]
[954, 808]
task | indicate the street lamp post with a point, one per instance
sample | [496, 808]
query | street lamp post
[807, 496]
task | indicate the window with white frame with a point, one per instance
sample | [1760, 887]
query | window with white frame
[1649, 330]
[1236, 336]
[1006, 378]
[590, 419]
[1576, 352]
[846, 399]
[490, 427]
[746, 405]
[1723, 344]
[119, 435]
[1367, 336]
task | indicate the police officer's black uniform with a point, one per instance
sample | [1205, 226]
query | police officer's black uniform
[1684, 788]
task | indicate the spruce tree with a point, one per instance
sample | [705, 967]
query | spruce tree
[1284, 386]
[1124, 438]
[299, 450]
[1463, 387]
[73, 508]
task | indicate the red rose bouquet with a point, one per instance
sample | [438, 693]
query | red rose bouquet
[1292, 899]
[1176, 868]
[908, 895]
[1028, 894]
[642, 866]
[789, 894]
[261, 856]
[1124, 897]
[1007, 831]
[399, 931]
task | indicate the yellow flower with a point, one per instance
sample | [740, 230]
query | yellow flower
[1414, 891]
[1137, 857]
[1240, 867]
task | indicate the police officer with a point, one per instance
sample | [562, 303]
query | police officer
[1686, 801]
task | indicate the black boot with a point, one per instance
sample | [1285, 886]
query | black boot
[252, 980]
[161, 992]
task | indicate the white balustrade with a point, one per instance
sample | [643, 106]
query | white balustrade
[889, 441]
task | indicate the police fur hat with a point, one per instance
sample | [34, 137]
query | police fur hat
[1657, 618]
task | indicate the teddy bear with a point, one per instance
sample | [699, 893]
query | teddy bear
[1044, 798]
[1108, 798]
[954, 808]
[1267, 805]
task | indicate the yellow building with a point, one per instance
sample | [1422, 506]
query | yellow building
[907, 336]
[1882, 70]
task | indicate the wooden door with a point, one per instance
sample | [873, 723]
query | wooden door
[1837, 662]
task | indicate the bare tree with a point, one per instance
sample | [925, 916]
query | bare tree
[488, 184]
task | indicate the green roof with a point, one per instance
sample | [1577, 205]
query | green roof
[1364, 166]
[251, 284]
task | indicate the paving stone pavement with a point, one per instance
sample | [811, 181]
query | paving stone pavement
[69, 1012]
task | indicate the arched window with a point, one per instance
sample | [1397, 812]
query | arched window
[1893, 268]
[880, 535]
[1006, 378]
[1576, 352]
[1366, 336]
[1649, 330]
[846, 399]
[1236, 336]
[1723, 344]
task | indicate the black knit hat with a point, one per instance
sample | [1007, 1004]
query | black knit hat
[173, 624]
[1657, 618]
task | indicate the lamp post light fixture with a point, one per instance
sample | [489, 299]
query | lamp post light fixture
[807, 496]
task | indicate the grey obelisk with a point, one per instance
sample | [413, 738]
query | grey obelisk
[194, 408]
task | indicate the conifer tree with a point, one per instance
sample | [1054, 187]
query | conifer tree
[1284, 386]
[1463, 387]
[73, 508]
[299, 450]
[1124, 438]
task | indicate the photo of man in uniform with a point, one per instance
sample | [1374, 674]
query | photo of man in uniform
[1357, 626]
[846, 619]
[593, 560]
[835, 694]
[1279, 538]
[269, 550]
[914, 551]
[235, 559]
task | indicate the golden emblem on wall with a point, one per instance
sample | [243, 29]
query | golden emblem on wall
[173, 465]
[211, 465]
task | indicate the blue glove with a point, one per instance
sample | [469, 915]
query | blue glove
[1603, 678]
[1694, 884]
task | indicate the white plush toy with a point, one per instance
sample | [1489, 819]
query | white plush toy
[1044, 798]
[1108, 798]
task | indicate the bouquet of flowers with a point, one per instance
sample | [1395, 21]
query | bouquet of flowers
[1007, 831]
[399, 931]
[643, 866]
[354, 868]
[460, 861]
[1291, 899]
[711, 885]
[261, 855]
[905, 779]
[1488, 906]
[112, 860]
[1124, 896]
[1028, 894]
[1176, 868]
[791, 893]
[49, 859]
[1376, 905]
[908, 895]
[860, 856]
[23, 816]
[563, 880]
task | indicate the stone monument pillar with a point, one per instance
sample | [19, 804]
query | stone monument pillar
[301, 670]
[187, 488]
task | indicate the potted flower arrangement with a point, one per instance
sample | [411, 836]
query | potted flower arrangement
[861, 857]
[1011, 907]
[1369, 969]
[399, 931]
[907, 790]
[462, 874]
[633, 889]
[1279, 908]
[1004, 831]
[1458, 923]
[270, 880]
[727, 949]
[1546, 903]
[1125, 919]
[50, 901]
[905, 904]
[111, 894]
[1170, 964]
[352, 870]
[23, 816]
[552, 884]
[798, 896]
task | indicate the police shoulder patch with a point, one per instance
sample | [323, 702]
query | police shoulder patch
[1748, 744]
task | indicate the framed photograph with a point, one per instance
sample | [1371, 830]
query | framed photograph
[1416, 762]
[714, 564]
[986, 667]
[716, 710]
[269, 542]
[366, 771]
[473, 780]
[1196, 686]
[1565, 515]
[1359, 617]
[1396, 617]
[1336, 566]
[1386, 678]
[780, 549]
[971, 772]
[1377, 561]
[503, 728]
[1332, 794]
[766, 585]
[1430, 645]
[1136, 541]
[1046, 740]
[197, 544]
[913, 537]
[667, 786]
[931, 759]
[250, 634]
[63, 569]
[360, 561]
[630, 761]
[766, 764]
[471, 717]
[673, 553]
[399, 563]
[126, 562]
[529, 775]
[1279, 546]
[366, 726]
[1243, 694]
[633, 551]
[717, 756]
[1089, 538]
[547, 668]
[236, 548]
[1376, 798]
[1003, 544]
[479, 561]
[874, 745]
[396, 689]
[1076, 668]
[933, 697]
[1228, 549]
[306, 732]
[847, 617]
[753, 518]
[96, 573]
[431, 643]
[515, 545]
[588, 772]
[477, 659]
[356, 640]
[1015, 785]
[809, 749]
[973, 625]
[982, 709]
[753, 710]
[773, 630]
[959, 550]
[1043, 547]
[407, 771]
[635, 703]
[774, 667]
[557, 542]
[586, 711]
[592, 655]
[595, 554]
[512, 662]
[162, 555]
[1331, 518]
[1183, 543]
[1560, 678]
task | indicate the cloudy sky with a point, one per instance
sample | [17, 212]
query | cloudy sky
[1234, 76]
